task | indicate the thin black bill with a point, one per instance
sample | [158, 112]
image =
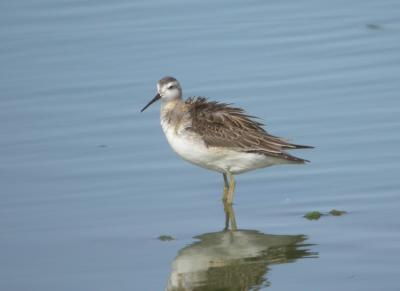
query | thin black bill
[151, 102]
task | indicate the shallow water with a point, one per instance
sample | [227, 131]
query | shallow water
[89, 183]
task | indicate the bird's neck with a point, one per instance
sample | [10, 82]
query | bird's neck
[172, 111]
[171, 105]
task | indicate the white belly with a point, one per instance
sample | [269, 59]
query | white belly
[191, 148]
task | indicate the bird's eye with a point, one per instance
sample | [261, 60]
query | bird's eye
[171, 86]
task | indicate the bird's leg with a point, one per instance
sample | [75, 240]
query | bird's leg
[226, 188]
[227, 220]
[233, 219]
[231, 189]
[230, 217]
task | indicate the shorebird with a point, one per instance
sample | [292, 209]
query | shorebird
[218, 136]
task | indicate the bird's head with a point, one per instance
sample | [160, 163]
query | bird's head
[168, 89]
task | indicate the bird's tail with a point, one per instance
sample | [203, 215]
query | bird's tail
[299, 146]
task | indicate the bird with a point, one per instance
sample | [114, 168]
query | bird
[218, 136]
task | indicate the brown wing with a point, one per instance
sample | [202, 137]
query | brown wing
[222, 125]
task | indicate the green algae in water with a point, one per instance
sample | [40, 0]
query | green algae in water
[313, 215]
[166, 238]
[335, 212]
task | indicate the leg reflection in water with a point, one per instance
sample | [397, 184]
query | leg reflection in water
[234, 259]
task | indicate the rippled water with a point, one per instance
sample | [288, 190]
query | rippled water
[88, 183]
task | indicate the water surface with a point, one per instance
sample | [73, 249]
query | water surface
[89, 183]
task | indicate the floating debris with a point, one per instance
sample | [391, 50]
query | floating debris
[373, 26]
[335, 212]
[313, 215]
[166, 238]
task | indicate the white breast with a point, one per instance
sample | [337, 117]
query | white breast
[191, 147]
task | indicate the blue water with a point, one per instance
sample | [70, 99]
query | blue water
[88, 183]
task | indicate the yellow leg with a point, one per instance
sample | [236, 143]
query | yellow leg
[226, 188]
[229, 217]
[231, 190]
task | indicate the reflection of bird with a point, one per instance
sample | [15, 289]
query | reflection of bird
[217, 136]
[233, 260]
